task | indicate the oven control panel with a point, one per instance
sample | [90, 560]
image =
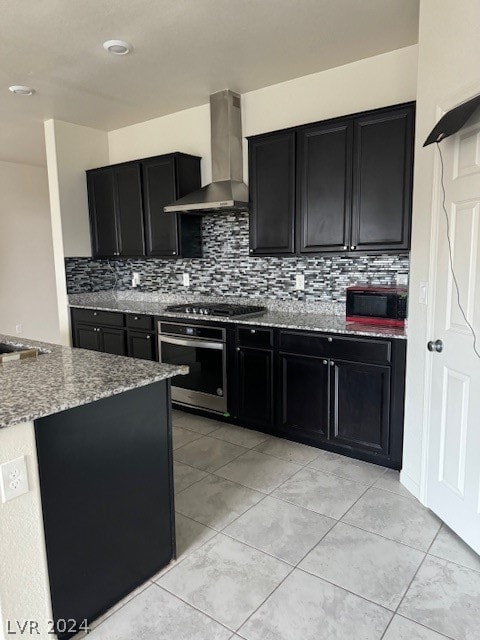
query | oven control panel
[191, 331]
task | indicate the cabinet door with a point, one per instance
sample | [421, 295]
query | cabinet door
[324, 185]
[158, 191]
[101, 201]
[141, 345]
[129, 210]
[272, 194]
[382, 186]
[113, 341]
[304, 395]
[255, 386]
[360, 405]
[87, 337]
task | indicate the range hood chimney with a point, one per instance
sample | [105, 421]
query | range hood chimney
[227, 192]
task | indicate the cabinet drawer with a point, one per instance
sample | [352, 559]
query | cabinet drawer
[93, 316]
[254, 337]
[137, 321]
[325, 346]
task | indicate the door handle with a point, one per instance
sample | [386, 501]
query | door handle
[435, 345]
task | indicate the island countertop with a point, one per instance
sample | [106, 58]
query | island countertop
[61, 378]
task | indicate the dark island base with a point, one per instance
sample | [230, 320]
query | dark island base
[106, 480]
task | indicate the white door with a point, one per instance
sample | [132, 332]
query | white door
[453, 467]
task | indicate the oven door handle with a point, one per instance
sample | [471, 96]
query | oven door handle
[218, 346]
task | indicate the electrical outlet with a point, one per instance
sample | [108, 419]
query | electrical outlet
[19, 328]
[135, 279]
[13, 479]
[300, 282]
[186, 279]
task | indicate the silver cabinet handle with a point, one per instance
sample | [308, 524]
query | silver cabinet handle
[332, 364]
[330, 339]
[345, 247]
[148, 337]
[252, 331]
[136, 318]
[353, 247]
[238, 349]
[325, 361]
[174, 253]
[218, 346]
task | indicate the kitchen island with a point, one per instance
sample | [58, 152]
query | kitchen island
[97, 520]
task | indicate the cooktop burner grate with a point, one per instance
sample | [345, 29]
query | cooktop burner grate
[217, 309]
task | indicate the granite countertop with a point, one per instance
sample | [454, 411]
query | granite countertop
[62, 378]
[279, 318]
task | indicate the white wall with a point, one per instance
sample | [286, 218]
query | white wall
[24, 589]
[382, 80]
[374, 82]
[75, 148]
[187, 131]
[448, 73]
[27, 276]
[71, 149]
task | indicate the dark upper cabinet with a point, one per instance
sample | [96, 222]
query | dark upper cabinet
[141, 344]
[255, 386]
[303, 395]
[382, 184]
[126, 208]
[324, 179]
[129, 210]
[164, 180]
[360, 406]
[102, 207]
[342, 185]
[272, 193]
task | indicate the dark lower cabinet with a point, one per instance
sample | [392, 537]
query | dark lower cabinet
[304, 395]
[141, 345]
[341, 393]
[86, 337]
[113, 341]
[255, 386]
[105, 339]
[360, 405]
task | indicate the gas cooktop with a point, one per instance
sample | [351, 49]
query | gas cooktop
[217, 309]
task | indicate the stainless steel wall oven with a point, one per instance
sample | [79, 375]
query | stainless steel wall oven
[203, 349]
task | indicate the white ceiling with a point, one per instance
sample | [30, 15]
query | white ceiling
[183, 51]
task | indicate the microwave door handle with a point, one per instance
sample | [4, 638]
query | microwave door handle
[192, 343]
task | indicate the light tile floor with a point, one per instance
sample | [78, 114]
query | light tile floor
[280, 541]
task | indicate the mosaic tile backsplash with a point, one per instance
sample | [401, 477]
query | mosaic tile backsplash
[227, 269]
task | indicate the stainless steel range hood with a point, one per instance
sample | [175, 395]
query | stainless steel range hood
[227, 192]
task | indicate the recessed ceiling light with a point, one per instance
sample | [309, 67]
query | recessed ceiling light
[21, 90]
[117, 47]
